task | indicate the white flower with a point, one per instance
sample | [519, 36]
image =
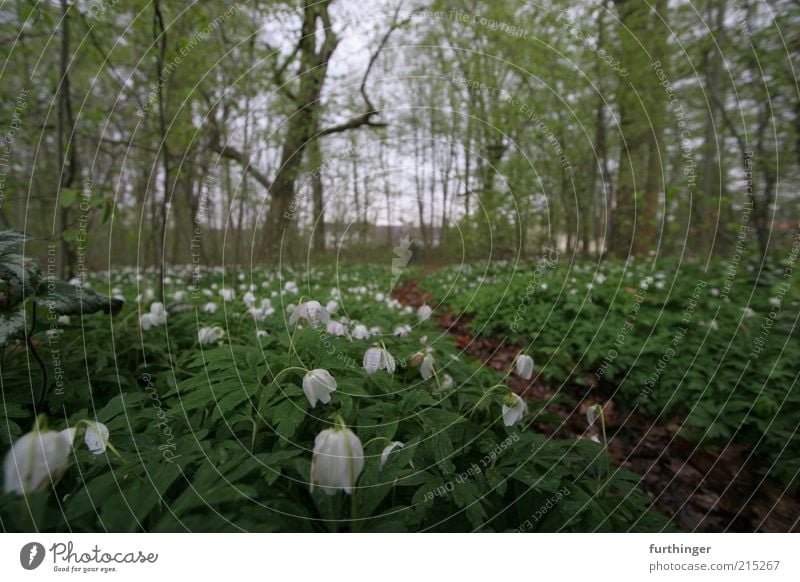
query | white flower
[68, 434]
[424, 313]
[64, 320]
[337, 461]
[256, 313]
[524, 366]
[402, 330]
[775, 301]
[336, 328]
[375, 330]
[379, 297]
[378, 359]
[360, 332]
[332, 306]
[514, 408]
[428, 367]
[447, 382]
[178, 296]
[209, 335]
[387, 451]
[318, 385]
[593, 412]
[210, 308]
[312, 312]
[227, 294]
[157, 316]
[96, 437]
[249, 299]
[35, 460]
[748, 312]
[291, 287]
[261, 333]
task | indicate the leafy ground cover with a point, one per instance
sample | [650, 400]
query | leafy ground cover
[712, 350]
[215, 421]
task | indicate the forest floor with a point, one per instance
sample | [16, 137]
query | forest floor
[700, 489]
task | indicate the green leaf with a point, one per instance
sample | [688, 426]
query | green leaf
[11, 240]
[65, 299]
[68, 196]
[12, 325]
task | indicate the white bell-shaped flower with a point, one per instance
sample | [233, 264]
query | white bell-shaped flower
[336, 328]
[96, 437]
[227, 294]
[428, 367]
[209, 335]
[318, 385]
[337, 461]
[35, 460]
[378, 359]
[514, 408]
[312, 312]
[424, 312]
[447, 383]
[524, 366]
[256, 313]
[210, 308]
[388, 450]
[402, 330]
[360, 332]
[156, 316]
[593, 413]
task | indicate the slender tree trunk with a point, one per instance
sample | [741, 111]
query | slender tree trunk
[67, 145]
[160, 37]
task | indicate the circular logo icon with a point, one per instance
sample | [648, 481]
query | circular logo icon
[31, 555]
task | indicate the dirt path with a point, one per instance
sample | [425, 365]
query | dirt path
[701, 490]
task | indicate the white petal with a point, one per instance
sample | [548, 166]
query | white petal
[96, 437]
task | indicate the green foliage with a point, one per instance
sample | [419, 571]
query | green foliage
[22, 284]
[220, 437]
[715, 348]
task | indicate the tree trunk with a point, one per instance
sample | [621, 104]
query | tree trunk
[67, 146]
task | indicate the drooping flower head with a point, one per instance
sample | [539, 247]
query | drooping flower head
[524, 366]
[209, 335]
[35, 460]
[337, 461]
[318, 385]
[378, 359]
[310, 311]
[156, 316]
[424, 312]
[514, 408]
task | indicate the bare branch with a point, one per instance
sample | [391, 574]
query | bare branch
[237, 156]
